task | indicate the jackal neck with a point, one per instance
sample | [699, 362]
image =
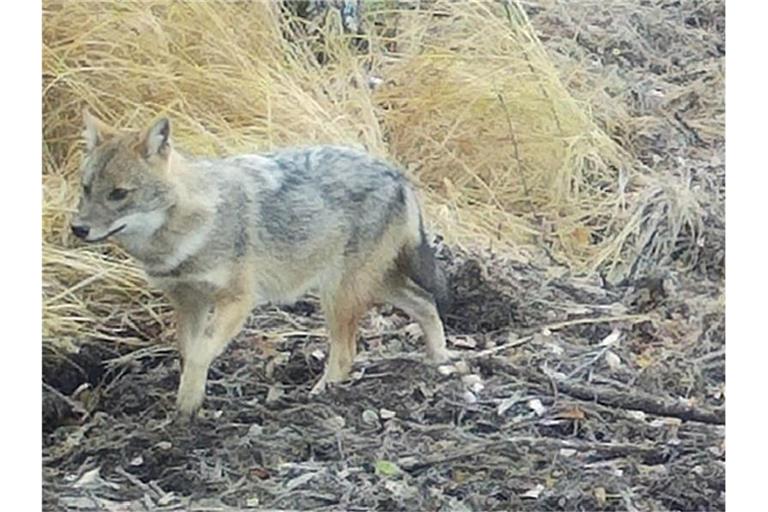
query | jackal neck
[186, 219]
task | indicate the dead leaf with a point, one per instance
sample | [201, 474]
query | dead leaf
[334, 423]
[506, 404]
[464, 341]
[612, 360]
[600, 496]
[274, 394]
[446, 369]
[386, 414]
[611, 339]
[537, 406]
[461, 367]
[89, 478]
[474, 382]
[260, 473]
[581, 236]
[644, 359]
[370, 417]
[573, 413]
[533, 493]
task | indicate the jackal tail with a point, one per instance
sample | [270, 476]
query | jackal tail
[418, 262]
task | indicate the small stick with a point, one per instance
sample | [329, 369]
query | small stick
[493, 350]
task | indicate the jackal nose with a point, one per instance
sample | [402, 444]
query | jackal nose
[80, 231]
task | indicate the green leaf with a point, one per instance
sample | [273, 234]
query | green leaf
[386, 468]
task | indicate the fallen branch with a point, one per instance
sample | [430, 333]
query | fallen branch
[635, 400]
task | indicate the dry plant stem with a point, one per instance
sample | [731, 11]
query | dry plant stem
[513, 139]
[74, 405]
[533, 70]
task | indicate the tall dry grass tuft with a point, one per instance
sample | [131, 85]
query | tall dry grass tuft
[469, 103]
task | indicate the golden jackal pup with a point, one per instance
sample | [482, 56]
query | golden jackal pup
[221, 235]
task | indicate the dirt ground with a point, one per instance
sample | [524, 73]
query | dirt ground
[571, 393]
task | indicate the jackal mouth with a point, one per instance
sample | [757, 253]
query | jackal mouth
[113, 232]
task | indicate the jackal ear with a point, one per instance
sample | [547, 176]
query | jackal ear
[157, 139]
[96, 131]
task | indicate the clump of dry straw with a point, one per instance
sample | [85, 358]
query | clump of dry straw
[469, 103]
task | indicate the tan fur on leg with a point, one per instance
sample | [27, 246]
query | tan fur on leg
[419, 305]
[204, 333]
[343, 311]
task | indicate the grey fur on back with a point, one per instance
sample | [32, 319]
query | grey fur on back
[333, 201]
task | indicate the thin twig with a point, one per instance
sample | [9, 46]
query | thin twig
[506, 346]
[74, 405]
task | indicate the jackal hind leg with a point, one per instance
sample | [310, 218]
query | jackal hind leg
[343, 309]
[419, 304]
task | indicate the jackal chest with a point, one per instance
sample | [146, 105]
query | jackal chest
[209, 281]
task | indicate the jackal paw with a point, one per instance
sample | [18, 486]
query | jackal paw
[442, 356]
[319, 387]
[325, 382]
[188, 404]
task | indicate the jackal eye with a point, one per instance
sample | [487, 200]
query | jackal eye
[117, 194]
[87, 190]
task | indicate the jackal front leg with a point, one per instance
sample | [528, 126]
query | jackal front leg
[205, 329]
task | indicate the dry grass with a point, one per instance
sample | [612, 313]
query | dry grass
[470, 103]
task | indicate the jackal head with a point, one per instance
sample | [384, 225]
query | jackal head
[125, 187]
